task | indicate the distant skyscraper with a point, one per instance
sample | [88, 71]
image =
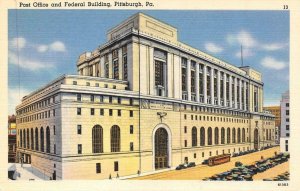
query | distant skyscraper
[285, 121]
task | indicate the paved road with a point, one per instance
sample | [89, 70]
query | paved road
[201, 171]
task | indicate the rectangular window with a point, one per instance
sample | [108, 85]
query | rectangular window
[110, 99]
[92, 111]
[183, 79]
[131, 129]
[193, 89]
[185, 129]
[78, 97]
[92, 98]
[202, 154]
[116, 166]
[287, 127]
[97, 84]
[106, 66]
[125, 69]
[101, 99]
[54, 148]
[131, 113]
[101, 111]
[130, 101]
[79, 129]
[287, 112]
[185, 143]
[54, 130]
[79, 148]
[53, 112]
[78, 111]
[119, 112]
[98, 168]
[88, 83]
[110, 112]
[131, 146]
[119, 100]
[286, 141]
[74, 82]
[195, 156]
[287, 119]
[159, 73]
[287, 104]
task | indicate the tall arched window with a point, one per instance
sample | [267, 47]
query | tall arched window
[42, 139]
[36, 139]
[115, 138]
[243, 135]
[48, 139]
[228, 135]
[31, 139]
[202, 136]
[267, 134]
[97, 139]
[238, 135]
[194, 136]
[216, 135]
[27, 133]
[222, 135]
[209, 136]
[233, 135]
[24, 138]
[21, 139]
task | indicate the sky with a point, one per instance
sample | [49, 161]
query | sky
[45, 44]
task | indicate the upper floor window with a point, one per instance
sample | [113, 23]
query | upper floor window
[115, 138]
[159, 73]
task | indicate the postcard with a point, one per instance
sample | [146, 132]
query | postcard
[120, 94]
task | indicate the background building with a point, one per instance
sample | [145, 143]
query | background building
[141, 102]
[275, 110]
[285, 122]
[11, 138]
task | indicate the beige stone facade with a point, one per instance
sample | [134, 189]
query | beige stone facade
[141, 102]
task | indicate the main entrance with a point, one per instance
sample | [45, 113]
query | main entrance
[256, 139]
[161, 148]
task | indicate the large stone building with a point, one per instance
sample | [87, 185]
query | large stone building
[12, 138]
[285, 122]
[275, 110]
[141, 102]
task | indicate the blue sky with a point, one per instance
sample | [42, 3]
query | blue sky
[44, 44]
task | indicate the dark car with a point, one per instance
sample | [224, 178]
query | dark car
[191, 164]
[179, 167]
[205, 161]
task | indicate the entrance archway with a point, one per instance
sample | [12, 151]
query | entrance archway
[256, 139]
[161, 148]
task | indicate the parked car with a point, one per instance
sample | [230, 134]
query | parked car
[205, 161]
[191, 164]
[181, 166]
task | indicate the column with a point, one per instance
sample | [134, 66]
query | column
[235, 92]
[197, 83]
[244, 84]
[205, 83]
[218, 87]
[230, 91]
[102, 69]
[110, 66]
[151, 71]
[240, 93]
[212, 86]
[188, 76]
[224, 89]
[120, 58]
[94, 70]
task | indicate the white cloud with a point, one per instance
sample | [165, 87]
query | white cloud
[212, 47]
[248, 41]
[242, 38]
[247, 52]
[56, 46]
[15, 95]
[274, 46]
[26, 63]
[272, 63]
[42, 48]
[17, 43]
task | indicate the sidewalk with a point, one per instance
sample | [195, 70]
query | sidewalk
[27, 172]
